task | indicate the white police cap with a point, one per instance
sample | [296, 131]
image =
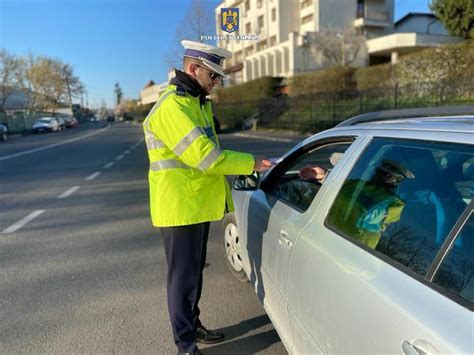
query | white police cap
[212, 57]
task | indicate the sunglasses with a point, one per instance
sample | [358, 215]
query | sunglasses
[212, 75]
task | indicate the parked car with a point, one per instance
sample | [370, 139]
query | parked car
[71, 122]
[45, 124]
[110, 119]
[3, 132]
[378, 258]
[61, 123]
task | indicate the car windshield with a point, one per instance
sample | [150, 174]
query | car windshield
[44, 120]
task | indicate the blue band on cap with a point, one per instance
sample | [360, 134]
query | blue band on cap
[216, 59]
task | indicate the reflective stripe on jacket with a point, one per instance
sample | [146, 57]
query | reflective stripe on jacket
[187, 166]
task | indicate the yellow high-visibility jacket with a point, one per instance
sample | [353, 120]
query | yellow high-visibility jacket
[187, 166]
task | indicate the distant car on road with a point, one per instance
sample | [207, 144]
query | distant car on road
[71, 122]
[3, 132]
[46, 124]
[111, 119]
[374, 251]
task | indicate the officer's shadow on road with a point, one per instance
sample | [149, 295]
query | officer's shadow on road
[237, 344]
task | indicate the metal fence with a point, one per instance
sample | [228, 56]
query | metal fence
[313, 113]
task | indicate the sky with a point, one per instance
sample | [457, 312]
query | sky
[108, 41]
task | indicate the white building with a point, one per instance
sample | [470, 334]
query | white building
[282, 25]
[412, 33]
[152, 91]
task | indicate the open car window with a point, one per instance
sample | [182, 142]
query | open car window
[289, 187]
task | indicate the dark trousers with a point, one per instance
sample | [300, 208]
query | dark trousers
[185, 248]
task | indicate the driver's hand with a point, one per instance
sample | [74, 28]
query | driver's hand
[262, 164]
[312, 173]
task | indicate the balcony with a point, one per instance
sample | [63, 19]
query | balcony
[370, 17]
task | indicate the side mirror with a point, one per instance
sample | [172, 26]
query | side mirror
[247, 182]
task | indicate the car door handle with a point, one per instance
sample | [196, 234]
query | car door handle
[410, 349]
[284, 241]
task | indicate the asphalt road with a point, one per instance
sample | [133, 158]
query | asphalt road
[81, 268]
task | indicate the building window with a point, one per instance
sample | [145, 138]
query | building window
[261, 45]
[273, 40]
[247, 28]
[274, 14]
[249, 50]
[247, 5]
[360, 8]
[238, 57]
[259, 4]
[260, 21]
[307, 19]
[306, 3]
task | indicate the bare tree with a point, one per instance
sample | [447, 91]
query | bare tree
[50, 82]
[339, 48]
[11, 75]
[198, 21]
[118, 94]
[74, 86]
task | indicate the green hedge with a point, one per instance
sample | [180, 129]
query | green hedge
[435, 64]
[249, 92]
[234, 115]
[448, 62]
[375, 76]
[323, 81]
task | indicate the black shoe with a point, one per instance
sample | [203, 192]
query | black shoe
[195, 352]
[205, 336]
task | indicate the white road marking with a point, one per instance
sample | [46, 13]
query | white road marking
[126, 152]
[22, 222]
[69, 192]
[119, 157]
[52, 145]
[93, 176]
[109, 165]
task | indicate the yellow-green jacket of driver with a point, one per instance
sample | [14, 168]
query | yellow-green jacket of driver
[187, 166]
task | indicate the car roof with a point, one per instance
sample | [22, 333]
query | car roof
[464, 124]
[399, 123]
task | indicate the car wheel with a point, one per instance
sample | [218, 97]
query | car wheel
[3, 137]
[232, 247]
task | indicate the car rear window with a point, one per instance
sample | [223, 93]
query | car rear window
[403, 197]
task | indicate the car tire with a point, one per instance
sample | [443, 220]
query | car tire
[232, 246]
[3, 137]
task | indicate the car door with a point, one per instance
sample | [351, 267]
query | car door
[277, 212]
[360, 286]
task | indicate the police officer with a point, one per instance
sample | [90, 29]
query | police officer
[188, 188]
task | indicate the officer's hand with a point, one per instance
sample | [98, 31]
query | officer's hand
[312, 173]
[262, 164]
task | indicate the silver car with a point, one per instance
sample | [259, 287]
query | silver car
[46, 124]
[377, 255]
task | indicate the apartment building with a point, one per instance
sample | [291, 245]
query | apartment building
[151, 92]
[283, 27]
